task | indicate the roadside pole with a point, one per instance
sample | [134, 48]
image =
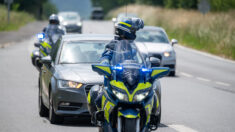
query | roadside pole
[204, 6]
[9, 2]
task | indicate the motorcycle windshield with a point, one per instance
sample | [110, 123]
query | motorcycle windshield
[126, 53]
[53, 33]
[128, 63]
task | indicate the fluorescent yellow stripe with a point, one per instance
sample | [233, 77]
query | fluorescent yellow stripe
[89, 98]
[149, 109]
[106, 107]
[44, 54]
[105, 68]
[45, 45]
[155, 72]
[157, 101]
[121, 85]
[128, 116]
[128, 25]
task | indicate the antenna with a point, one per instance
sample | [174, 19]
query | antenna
[126, 8]
[125, 2]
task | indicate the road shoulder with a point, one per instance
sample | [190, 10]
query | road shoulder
[25, 32]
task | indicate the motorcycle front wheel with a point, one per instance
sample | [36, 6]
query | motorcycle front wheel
[129, 125]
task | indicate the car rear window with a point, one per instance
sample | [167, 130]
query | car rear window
[153, 36]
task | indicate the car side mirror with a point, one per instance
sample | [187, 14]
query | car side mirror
[174, 41]
[37, 45]
[155, 61]
[114, 19]
[46, 60]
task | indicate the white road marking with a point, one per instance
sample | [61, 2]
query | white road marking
[182, 128]
[203, 79]
[222, 83]
[186, 74]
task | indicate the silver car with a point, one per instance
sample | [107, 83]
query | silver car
[158, 45]
[66, 76]
[71, 21]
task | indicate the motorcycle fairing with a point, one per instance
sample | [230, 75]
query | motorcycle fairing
[158, 72]
[129, 113]
[140, 87]
[102, 69]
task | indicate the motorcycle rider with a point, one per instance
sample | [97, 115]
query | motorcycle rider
[45, 43]
[54, 28]
[125, 31]
[54, 23]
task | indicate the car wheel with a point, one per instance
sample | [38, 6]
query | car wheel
[43, 111]
[172, 73]
[54, 119]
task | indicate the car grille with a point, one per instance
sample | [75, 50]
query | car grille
[70, 107]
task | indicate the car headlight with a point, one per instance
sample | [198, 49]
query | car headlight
[79, 24]
[141, 96]
[69, 84]
[167, 54]
[65, 23]
[120, 95]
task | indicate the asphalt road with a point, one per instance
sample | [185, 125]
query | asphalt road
[199, 99]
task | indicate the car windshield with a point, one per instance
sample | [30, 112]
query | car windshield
[82, 52]
[70, 17]
[153, 36]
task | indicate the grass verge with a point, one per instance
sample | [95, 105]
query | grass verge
[17, 19]
[213, 32]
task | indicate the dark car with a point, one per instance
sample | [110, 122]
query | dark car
[97, 13]
[66, 76]
[71, 21]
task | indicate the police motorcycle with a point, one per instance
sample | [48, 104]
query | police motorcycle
[128, 93]
[44, 46]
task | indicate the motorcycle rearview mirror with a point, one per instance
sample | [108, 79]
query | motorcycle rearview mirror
[174, 41]
[155, 61]
[46, 60]
[114, 19]
[159, 72]
[37, 45]
[102, 69]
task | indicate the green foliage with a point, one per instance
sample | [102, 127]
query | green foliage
[15, 6]
[110, 4]
[17, 19]
[216, 5]
[151, 2]
[222, 5]
[187, 4]
[48, 9]
[34, 7]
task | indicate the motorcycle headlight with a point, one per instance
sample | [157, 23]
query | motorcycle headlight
[167, 54]
[141, 96]
[120, 95]
[69, 84]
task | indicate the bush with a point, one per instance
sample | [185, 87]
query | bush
[17, 19]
